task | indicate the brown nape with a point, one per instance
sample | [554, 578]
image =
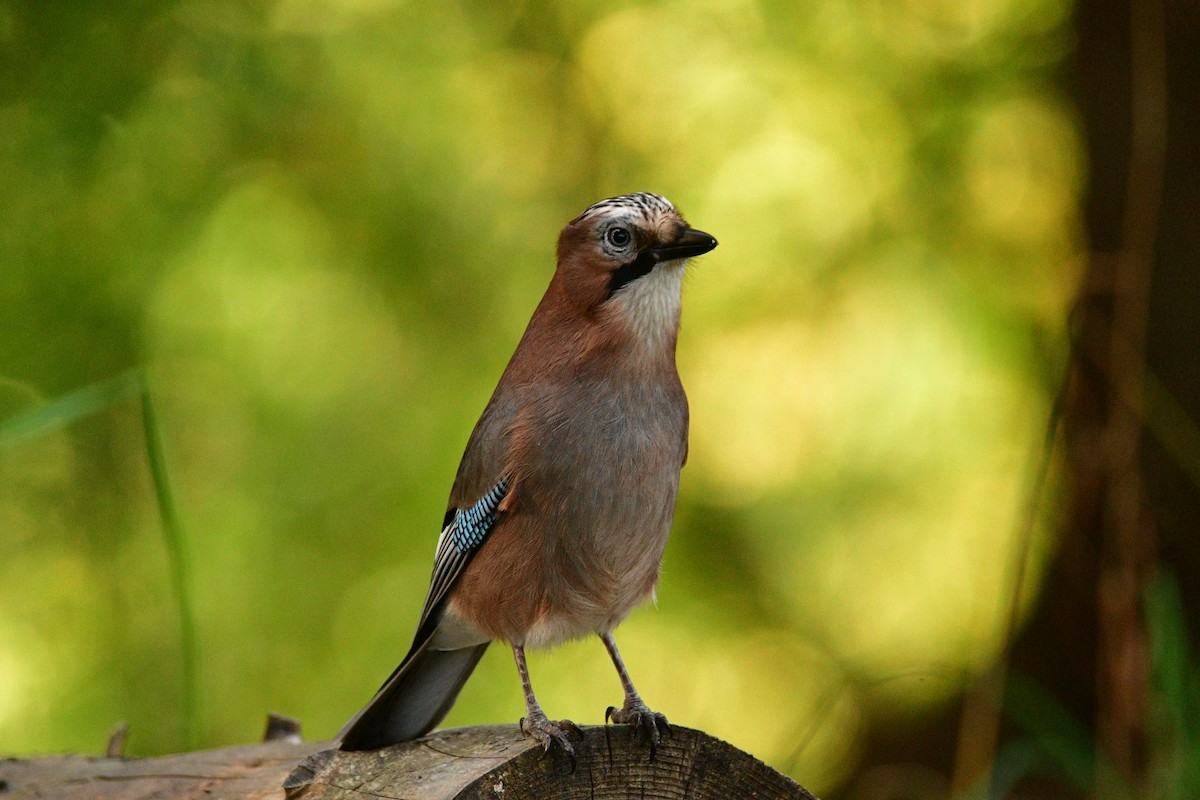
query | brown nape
[572, 239]
[583, 270]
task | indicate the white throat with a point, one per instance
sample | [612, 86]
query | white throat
[651, 304]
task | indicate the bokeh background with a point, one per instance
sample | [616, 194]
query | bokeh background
[319, 227]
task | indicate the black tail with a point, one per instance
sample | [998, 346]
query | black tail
[414, 699]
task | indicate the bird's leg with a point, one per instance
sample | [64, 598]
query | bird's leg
[535, 724]
[646, 723]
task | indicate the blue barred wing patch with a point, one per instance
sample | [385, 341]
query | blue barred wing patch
[467, 529]
[471, 525]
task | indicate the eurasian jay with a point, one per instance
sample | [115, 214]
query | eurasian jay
[562, 504]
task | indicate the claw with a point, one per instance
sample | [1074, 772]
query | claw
[647, 725]
[551, 732]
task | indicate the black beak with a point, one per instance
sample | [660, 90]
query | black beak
[691, 243]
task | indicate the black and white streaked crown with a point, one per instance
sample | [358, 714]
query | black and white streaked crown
[643, 203]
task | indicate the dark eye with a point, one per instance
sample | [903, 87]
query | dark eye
[618, 237]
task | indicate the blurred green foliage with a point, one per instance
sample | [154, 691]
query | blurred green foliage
[1052, 742]
[321, 225]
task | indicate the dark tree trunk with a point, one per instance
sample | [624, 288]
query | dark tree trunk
[1133, 397]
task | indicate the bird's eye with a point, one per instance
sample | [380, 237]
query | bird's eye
[618, 237]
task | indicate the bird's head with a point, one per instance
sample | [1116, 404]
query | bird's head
[628, 254]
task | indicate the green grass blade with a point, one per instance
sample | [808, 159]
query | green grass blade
[70, 407]
[94, 398]
[180, 563]
[1065, 743]
[1175, 692]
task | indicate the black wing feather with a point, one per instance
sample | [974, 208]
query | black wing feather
[463, 534]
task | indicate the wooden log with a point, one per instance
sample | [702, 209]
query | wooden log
[248, 772]
[494, 762]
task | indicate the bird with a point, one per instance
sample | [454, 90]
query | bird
[562, 504]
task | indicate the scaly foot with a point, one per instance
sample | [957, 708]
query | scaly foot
[551, 732]
[647, 725]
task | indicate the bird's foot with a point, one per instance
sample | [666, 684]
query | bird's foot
[551, 732]
[647, 725]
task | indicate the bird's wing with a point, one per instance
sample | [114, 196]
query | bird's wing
[464, 532]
